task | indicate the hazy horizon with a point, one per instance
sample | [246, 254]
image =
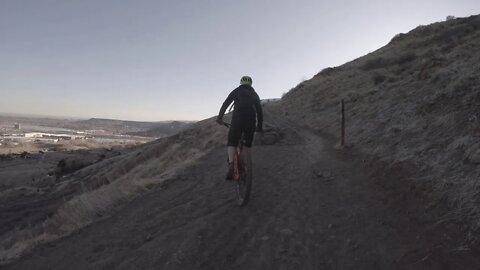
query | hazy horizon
[61, 117]
[160, 60]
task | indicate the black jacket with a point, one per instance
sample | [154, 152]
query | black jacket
[247, 104]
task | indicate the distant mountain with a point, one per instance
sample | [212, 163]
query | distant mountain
[162, 129]
[138, 128]
[100, 122]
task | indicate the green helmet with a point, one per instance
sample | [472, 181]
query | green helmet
[246, 80]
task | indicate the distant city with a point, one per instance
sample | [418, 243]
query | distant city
[29, 134]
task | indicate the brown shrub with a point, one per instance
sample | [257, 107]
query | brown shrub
[378, 78]
[381, 62]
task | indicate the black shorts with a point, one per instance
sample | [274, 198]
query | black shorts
[245, 125]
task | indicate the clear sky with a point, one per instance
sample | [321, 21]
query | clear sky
[163, 60]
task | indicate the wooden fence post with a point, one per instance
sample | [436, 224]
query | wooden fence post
[342, 142]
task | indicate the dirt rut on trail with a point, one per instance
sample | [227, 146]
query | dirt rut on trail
[310, 209]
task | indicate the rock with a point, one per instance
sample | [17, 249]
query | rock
[474, 156]
[324, 174]
[149, 237]
[68, 165]
[286, 231]
[269, 138]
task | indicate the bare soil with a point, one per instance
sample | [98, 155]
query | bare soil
[312, 207]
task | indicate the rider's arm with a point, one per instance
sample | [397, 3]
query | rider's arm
[258, 109]
[225, 105]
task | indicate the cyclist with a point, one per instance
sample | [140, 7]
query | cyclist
[246, 107]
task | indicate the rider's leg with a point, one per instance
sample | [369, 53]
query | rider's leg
[233, 137]
[249, 132]
[231, 153]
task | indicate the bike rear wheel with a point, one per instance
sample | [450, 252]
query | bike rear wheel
[244, 181]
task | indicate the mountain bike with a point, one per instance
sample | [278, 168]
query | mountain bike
[242, 172]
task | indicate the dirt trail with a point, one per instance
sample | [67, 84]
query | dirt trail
[310, 209]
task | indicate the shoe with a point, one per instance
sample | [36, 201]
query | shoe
[230, 172]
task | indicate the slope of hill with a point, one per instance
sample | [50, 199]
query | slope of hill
[413, 104]
[96, 191]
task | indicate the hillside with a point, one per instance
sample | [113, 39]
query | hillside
[397, 197]
[412, 105]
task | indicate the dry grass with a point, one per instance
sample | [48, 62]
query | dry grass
[115, 182]
[425, 116]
